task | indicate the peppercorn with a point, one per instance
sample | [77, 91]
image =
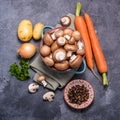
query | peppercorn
[78, 94]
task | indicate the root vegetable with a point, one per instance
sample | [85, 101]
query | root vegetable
[25, 30]
[27, 50]
[37, 31]
[97, 50]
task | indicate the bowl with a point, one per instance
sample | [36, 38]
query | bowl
[52, 67]
[68, 89]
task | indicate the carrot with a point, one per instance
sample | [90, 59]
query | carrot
[82, 28]
[96, 48]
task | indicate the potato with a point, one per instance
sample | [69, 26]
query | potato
[37, 30]
[25, 30]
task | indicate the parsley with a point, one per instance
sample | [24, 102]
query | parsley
[20, 71]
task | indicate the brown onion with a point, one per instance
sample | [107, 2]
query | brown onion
[27, 50]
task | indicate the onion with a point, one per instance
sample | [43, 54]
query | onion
[27, 50]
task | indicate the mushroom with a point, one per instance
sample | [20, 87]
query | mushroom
[68, 31]
[45, 50]
[47, 39]
[48, 61]
[67, 37]
[33, 87]
[62, 65]
[59, 33]
[54, 46]
[69, 54]
[49, 96]
[53, 36]
[65, 21]
[41, 79]
[76, 35]
[75, 61]
[71, 41]
[69, 47]
[81, 50]
[61, 41]
[59, 55]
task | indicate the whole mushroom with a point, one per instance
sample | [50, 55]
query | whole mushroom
[41, 79]
[48, 39]
[33, 87]
[65, 21]
[48, 61]
[45, 50]
[75, 61]
[59, 55]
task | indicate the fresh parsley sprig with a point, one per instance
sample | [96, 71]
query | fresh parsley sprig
[20, 71]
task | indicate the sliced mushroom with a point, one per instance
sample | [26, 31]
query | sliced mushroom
[33, 87]
[41, 79]
[48, 61]
[65, 21]
[76, 61]
[45, 50]
[61, 41]
[47, 39]
[69, 47]
[62, 65]
[59, 55]
[49, 96]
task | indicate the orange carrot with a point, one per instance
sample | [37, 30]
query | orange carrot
[96, 48]
[82, 28]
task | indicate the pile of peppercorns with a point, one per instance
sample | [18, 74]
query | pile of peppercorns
[78, 94]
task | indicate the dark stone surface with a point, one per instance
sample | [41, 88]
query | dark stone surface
[15, 101]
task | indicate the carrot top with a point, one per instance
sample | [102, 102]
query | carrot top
[78, 8]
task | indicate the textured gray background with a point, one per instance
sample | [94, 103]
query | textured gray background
[15, 101]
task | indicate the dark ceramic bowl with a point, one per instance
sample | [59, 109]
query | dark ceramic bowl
[79, 82]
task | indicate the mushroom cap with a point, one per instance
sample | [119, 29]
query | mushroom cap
[76, 62]
[45, 50]
[41, 78]
[62, 65]
[48, 61]
[54, 46]
[48, 39]
[33, 87]
[68, 31]
[59, 33]
[59, 55]
[76, 35]
[69, 47]
[61, 41]
[65, 21]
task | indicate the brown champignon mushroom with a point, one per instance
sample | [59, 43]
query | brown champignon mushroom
[59, 55]
[59, 33]
[76, 35]
[45, 50]
[54, 46]
[68, 31]
[48, 61]
[69, 47]
[75, 61]
[71, 41]
[65, 21]
[61, 41]
[62, 65]
[81, 52]
[47, 39]
[41, 79]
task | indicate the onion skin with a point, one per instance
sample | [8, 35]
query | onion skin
[27, 50]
